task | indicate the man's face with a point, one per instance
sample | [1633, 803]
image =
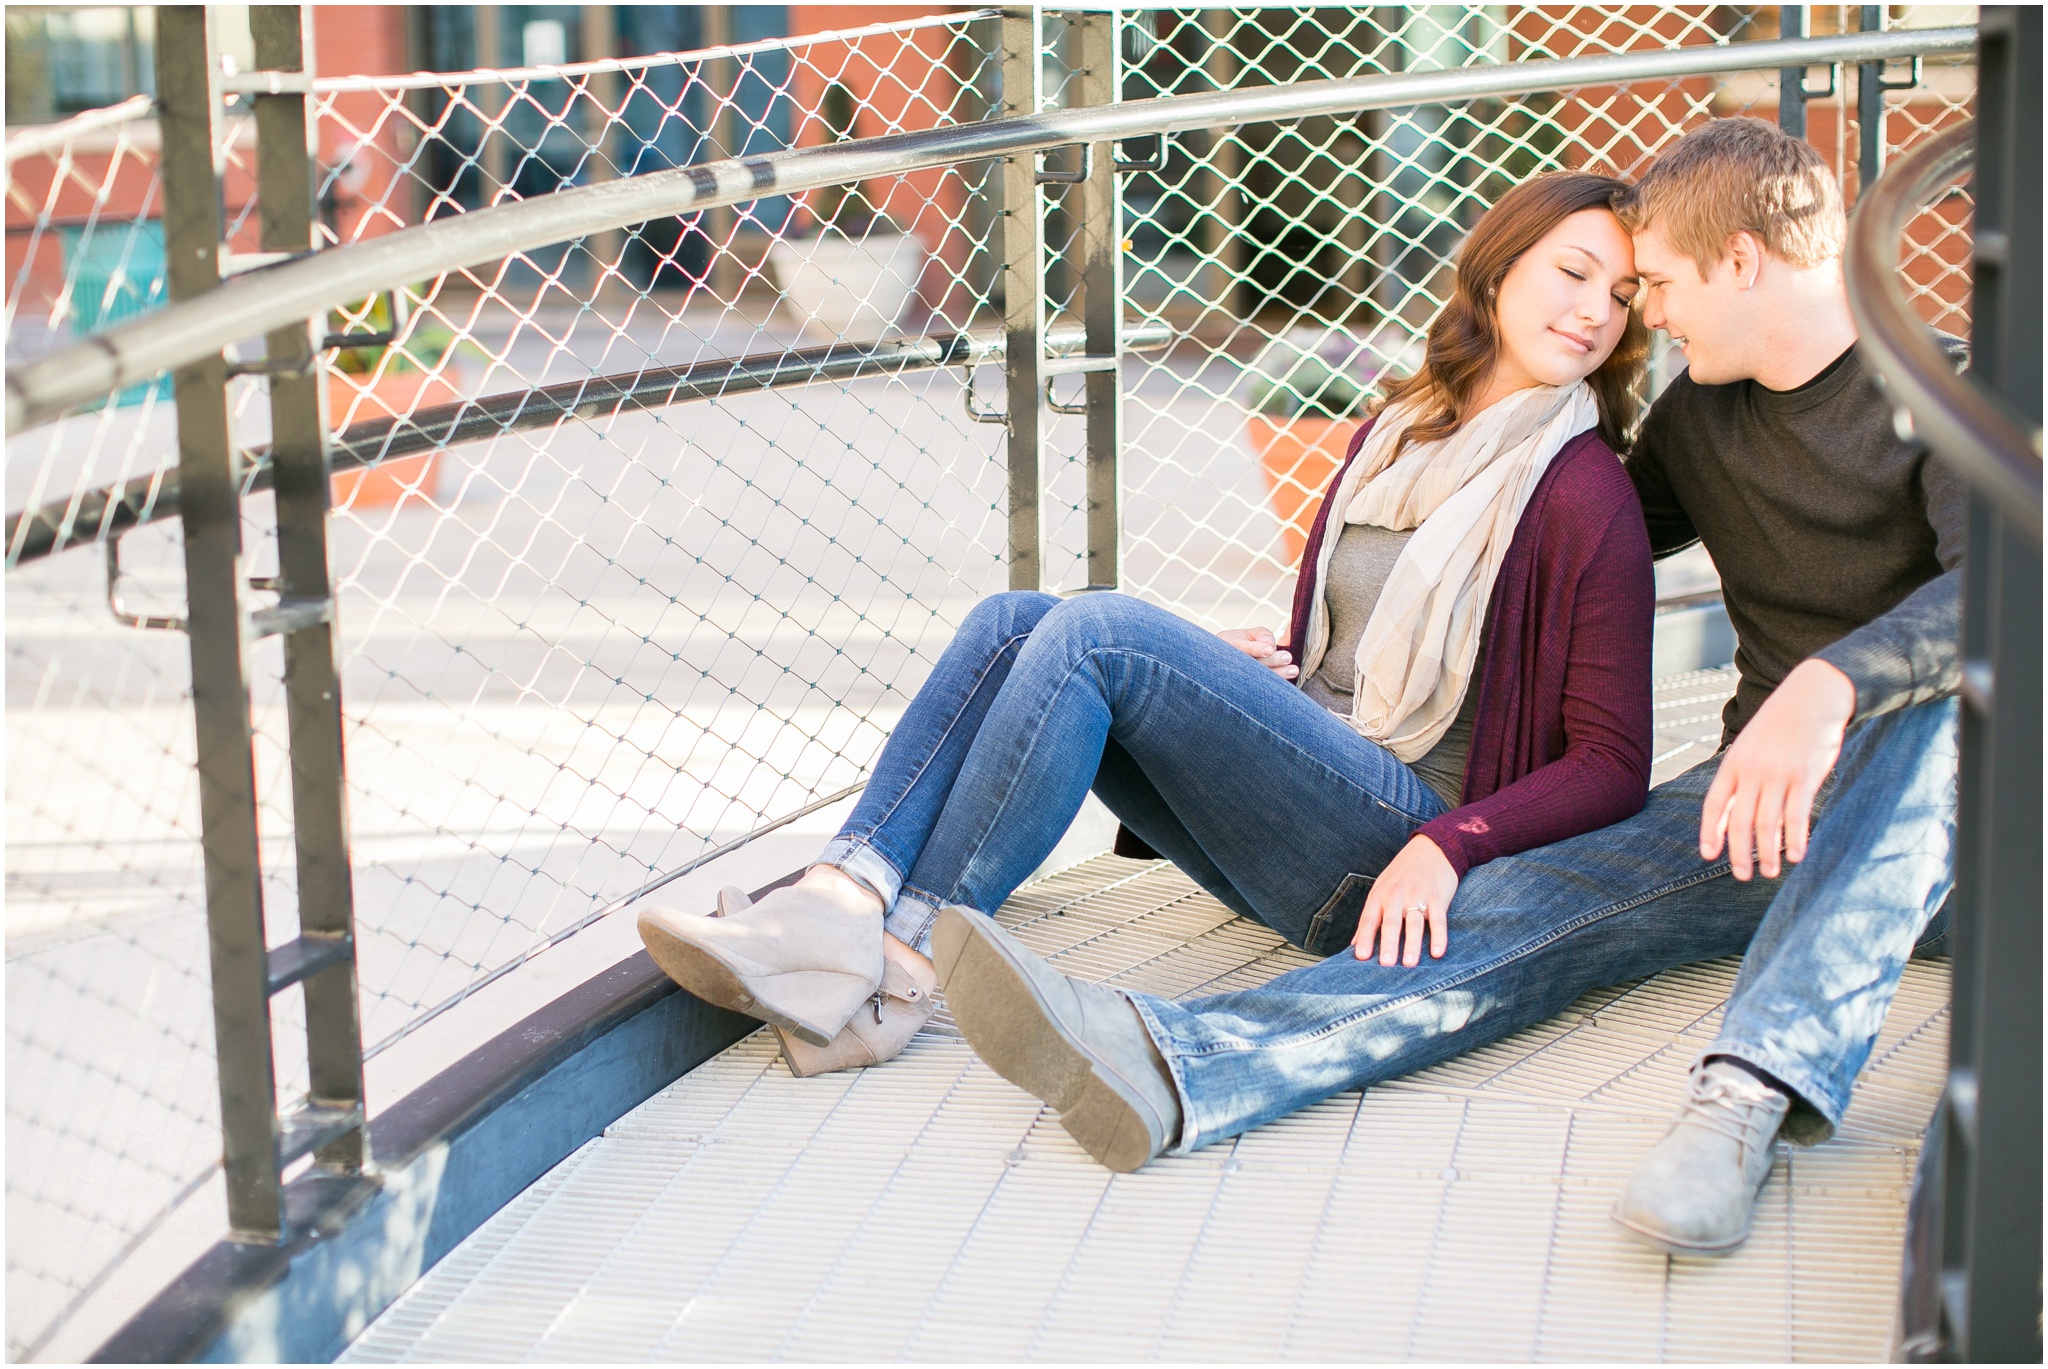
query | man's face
[1703, 315]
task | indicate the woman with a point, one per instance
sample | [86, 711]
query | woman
[1473, 620]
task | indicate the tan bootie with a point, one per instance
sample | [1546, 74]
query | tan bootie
[880, 1029]
[798, 960]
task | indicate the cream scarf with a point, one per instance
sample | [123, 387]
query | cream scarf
[1464, 496]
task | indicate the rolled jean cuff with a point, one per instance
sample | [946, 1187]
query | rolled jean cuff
[1186, 1140]
[1815, 1111]
[856, 858]
[910, 920]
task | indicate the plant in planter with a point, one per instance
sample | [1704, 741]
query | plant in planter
[387, 381]
[855, 277]
[1300, 423]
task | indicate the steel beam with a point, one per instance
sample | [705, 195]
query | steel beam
[187, 81]
[1870, 89]
[1101, 242]
[286, 170]
[1023, 298]
[1991, 1200]
[1792, 80]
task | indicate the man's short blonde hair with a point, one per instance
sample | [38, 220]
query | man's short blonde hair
[1740, 174]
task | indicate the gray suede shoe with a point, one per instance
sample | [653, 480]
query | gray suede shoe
[1077, 1046]
[796, 960]
[1695, 1194]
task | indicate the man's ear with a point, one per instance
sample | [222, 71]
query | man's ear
[1743, 255]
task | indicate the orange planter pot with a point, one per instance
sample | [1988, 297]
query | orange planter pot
[1298, 457]
[355, 399]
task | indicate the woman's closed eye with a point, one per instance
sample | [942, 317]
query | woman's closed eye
[1623, 300]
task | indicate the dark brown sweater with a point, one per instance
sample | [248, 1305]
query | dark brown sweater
[1833, 537]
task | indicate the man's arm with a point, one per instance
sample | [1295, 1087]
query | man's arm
[1763, 792]
[1671, 528]
[1913, 654]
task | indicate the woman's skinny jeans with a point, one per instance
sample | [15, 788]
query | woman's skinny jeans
[1270, 802]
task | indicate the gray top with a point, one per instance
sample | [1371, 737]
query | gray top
[1833, 537]
[1359, 567]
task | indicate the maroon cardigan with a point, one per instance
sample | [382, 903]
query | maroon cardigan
[1561, 744]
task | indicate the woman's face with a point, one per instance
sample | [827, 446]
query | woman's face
[1562, 307]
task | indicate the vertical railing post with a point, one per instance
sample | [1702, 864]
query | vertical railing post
[1023, 298]
[600, 37]
[1870, 88]
[1222, 194]
[247, 973]
[189, 95]
[1792, 80]
[722, 78]
[494, 102]
[1990, 1217]
[286, 169]
[1102, 302]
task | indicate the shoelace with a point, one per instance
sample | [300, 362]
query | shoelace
[1729, 1110]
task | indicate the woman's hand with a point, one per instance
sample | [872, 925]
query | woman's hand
[1415, 889]
[1258, 643]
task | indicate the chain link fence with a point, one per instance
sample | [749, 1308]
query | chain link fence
[1297, 262]
[583, 654]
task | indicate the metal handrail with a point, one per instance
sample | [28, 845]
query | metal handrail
[280, 296]
[1954, 415]
[598, 66]
[41, 138]
[109, 512]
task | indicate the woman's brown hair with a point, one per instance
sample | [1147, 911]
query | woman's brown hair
[1464, 339]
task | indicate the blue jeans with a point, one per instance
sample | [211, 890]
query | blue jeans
[1269, 801]
[1825, 944]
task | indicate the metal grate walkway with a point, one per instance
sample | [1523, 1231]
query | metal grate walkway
[928, 1210]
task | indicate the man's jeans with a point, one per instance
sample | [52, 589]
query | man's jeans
[1825, 944]
[1266, 799]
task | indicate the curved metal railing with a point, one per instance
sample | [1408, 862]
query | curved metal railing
[101, 514]
[279, 296]
[1949, 411]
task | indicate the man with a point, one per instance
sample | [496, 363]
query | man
[1820, 840]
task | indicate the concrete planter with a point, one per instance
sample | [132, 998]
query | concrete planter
[842, 287]
[1298, 456]
[395, 394]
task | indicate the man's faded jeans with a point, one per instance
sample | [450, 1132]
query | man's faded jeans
[1825, 944]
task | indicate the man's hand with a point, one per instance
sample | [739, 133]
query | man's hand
[1414, 891]
[1258, 643]
[1762, 796]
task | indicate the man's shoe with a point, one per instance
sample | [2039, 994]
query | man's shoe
[1080, 1047]
[879, 1028]
[1695, 1194]
[797, 960]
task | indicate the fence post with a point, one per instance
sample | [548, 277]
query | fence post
[189, 95]
[324, 954]
[1102, 302]
[1023, 297]
[1792, 80]
[1870, 88]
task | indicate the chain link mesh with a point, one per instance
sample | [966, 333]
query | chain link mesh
[1297, 262]
[580, 656]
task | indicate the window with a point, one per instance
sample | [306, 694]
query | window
[62, 62]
